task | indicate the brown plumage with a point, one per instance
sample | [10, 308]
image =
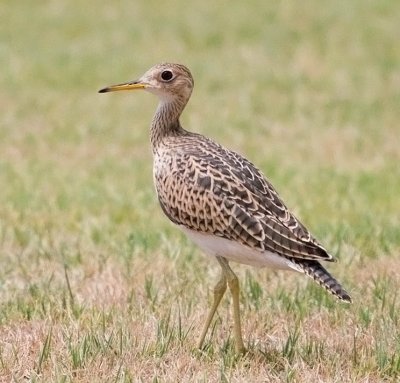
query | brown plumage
[220, 199]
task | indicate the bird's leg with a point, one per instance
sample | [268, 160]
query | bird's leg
[219, 291]
[233, 284]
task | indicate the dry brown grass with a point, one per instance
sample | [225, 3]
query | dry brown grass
[115, 325]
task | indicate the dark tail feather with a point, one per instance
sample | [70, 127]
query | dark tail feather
[320, 275]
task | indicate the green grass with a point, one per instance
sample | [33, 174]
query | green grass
[96, 285]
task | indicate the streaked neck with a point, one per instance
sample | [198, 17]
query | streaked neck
[166, 121]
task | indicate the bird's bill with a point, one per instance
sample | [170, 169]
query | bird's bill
[124, 86]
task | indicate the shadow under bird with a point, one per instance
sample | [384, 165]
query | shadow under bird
[221, 200]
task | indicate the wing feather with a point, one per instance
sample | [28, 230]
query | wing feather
[224, 194]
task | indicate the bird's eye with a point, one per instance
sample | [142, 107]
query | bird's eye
[167, 75]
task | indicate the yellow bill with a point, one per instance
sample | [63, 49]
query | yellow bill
[124, 86]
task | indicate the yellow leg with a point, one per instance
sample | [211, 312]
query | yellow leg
[219, 291]
[233, 284]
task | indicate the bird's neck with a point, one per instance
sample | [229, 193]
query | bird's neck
[166, 121]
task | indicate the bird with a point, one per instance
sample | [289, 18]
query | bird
[220, 200]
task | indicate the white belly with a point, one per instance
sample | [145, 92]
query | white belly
[233, 251]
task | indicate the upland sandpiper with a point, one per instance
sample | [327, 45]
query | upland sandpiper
[220, 199]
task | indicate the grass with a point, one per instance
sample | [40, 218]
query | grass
[96, 285]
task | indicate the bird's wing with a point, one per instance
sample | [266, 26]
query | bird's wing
[216, 191]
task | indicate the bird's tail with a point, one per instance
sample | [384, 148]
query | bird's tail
[320, 275]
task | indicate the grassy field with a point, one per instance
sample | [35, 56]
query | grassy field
[96, 284]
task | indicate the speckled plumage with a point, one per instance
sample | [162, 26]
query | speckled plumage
[213, 193]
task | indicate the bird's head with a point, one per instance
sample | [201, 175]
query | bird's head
[170, 82]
